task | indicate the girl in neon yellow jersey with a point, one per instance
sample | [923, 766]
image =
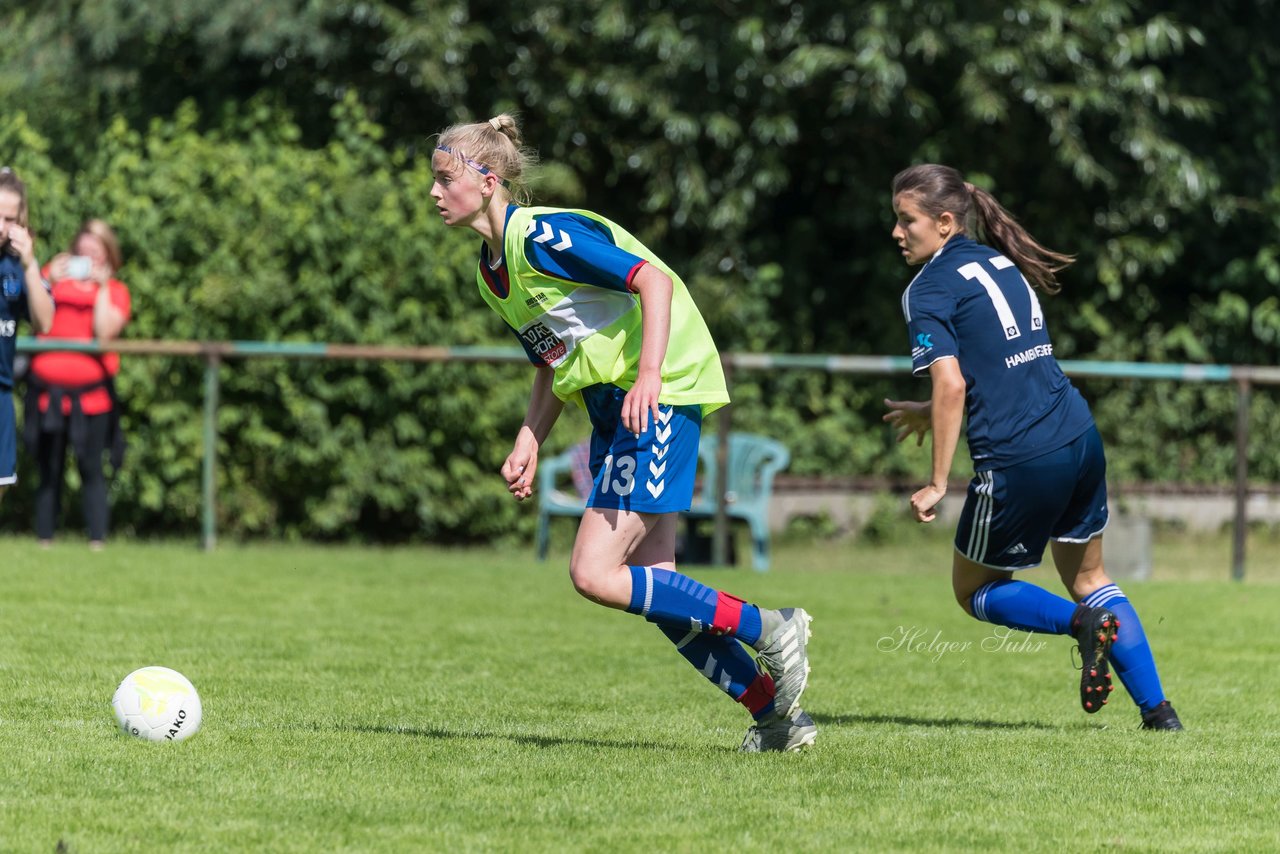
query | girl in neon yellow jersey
[612, 328]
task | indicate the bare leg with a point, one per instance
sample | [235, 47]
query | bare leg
[608, 541]
[967, 577]
[1080, 566]
[1081, 570]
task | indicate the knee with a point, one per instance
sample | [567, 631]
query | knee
[585, 581]
[1086, 582]
[964, 598]
[602, 583]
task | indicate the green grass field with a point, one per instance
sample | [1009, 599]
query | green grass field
[432, 700]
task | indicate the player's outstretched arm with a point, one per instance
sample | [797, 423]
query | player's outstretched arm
[521, 465]
[947, 408]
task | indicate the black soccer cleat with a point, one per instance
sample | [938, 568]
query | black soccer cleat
[1095, 629]
[1162, 717]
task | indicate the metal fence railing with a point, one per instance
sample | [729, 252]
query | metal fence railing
[214, 353]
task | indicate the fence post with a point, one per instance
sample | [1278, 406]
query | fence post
[1240, 528]
[212, 361]
[720, 536]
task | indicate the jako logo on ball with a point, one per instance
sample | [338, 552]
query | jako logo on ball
[157, 704]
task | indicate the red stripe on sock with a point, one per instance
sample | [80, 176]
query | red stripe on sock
[728, 615]
[759, 694]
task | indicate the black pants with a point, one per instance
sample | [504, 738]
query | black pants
[51, 458]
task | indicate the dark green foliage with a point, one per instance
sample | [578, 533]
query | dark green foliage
[264, 162]
[250, 236]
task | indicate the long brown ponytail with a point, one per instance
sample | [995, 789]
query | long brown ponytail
[938, 189]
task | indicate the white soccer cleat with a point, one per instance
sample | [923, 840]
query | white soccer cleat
[784, 656]
[781, 735]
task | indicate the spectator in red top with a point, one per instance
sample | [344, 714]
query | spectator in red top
[74, 393]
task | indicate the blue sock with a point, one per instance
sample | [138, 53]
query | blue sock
[671, 599]
[1131, 654]
[1020, 605]
[727, 665]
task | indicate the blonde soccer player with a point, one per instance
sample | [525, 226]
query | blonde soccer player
[613, 329]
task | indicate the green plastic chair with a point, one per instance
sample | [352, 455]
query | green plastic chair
[752, 464]
[558, 495]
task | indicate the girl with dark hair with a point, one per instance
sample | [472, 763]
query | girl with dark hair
[978, 331]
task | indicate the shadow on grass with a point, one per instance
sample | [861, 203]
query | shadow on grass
[519, 738]
[947, 723]
[549, 741]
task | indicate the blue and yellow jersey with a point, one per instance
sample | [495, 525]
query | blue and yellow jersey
[563, 285]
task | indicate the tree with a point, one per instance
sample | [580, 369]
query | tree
[750, 142]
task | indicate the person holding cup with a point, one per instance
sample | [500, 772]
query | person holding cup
[71, 395]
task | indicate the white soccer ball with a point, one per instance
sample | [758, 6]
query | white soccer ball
[157, 704]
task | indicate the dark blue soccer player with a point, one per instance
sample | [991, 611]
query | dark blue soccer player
[23, 293]
[977, 329]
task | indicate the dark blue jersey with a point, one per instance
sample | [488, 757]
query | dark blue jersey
[972, 304]
[13, 307]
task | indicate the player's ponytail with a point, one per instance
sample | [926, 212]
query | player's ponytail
[939, 189]
[1001, 231]
[497, 145]
[505, 124]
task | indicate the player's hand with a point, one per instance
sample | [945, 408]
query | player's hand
[909, 416]
[518, 472]
[924, 501]
[23, 243]
[58, 266]
[641, 402]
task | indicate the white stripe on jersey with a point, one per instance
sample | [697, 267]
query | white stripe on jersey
[906, 305]
[1037, 315]
[973, 270]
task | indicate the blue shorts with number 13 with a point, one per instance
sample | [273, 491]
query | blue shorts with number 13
[653, 473]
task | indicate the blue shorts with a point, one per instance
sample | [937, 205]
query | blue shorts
[8, 440]
[1011, 514]
[651, 474]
